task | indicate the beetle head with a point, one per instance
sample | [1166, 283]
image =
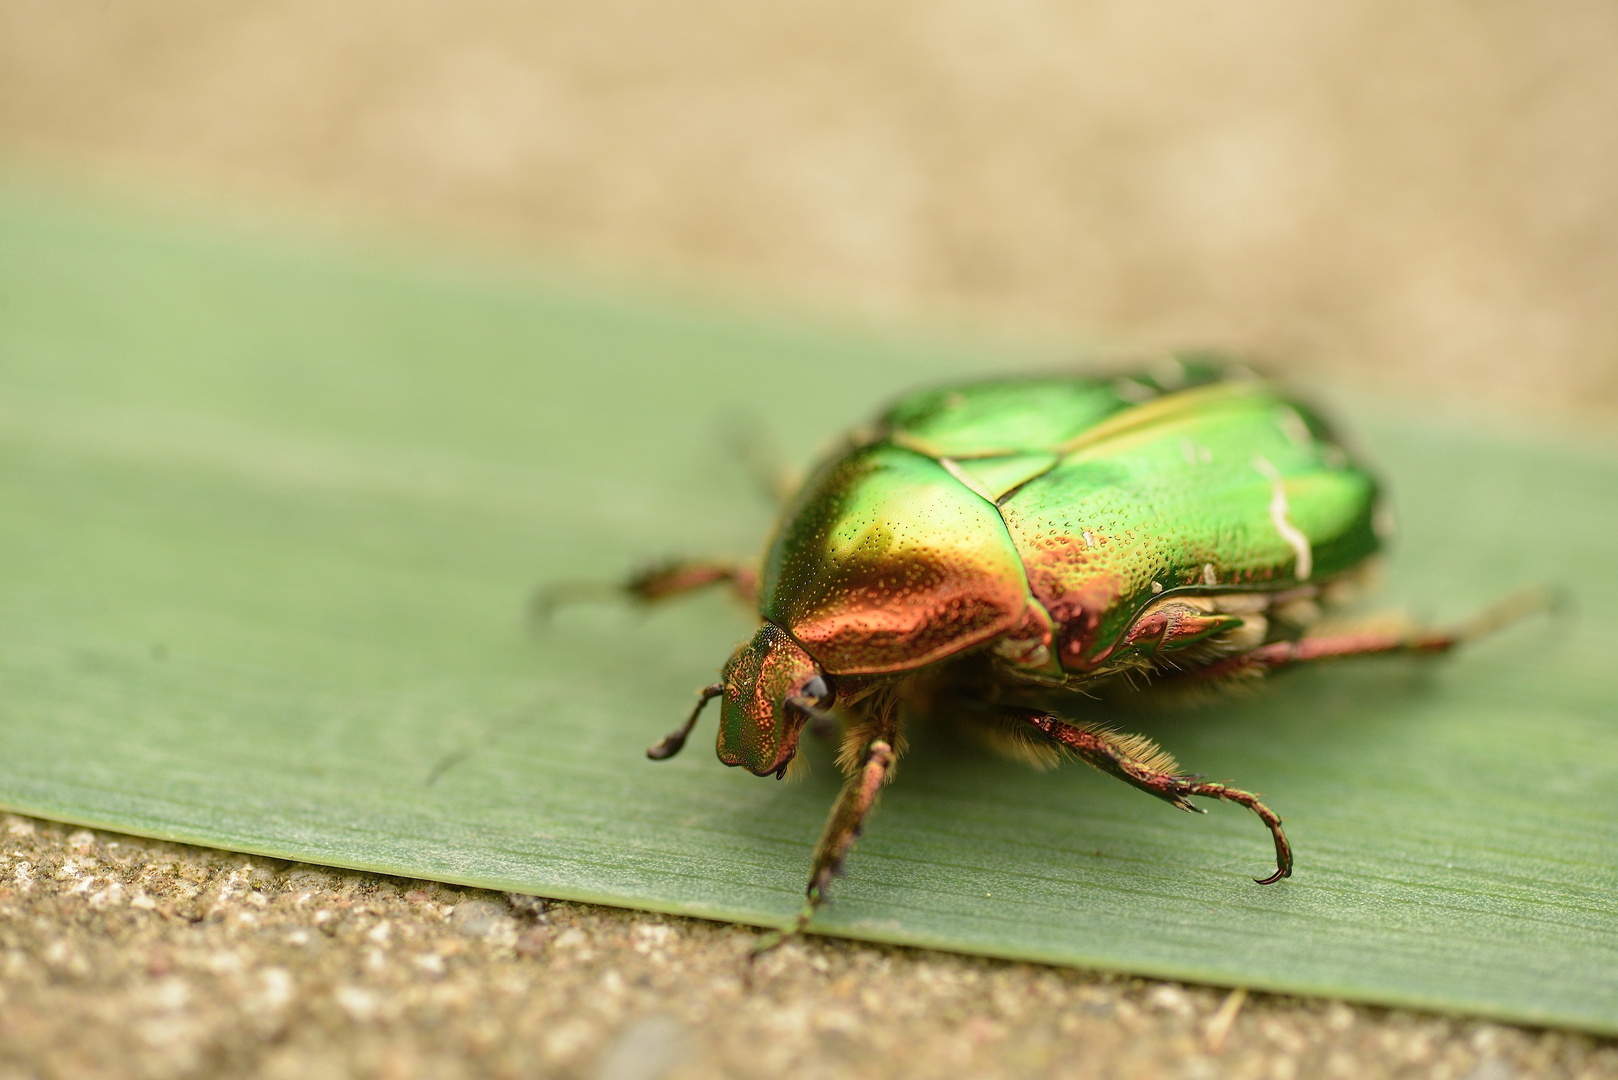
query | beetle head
[771, 687]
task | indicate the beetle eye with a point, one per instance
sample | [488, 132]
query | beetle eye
[818, 691]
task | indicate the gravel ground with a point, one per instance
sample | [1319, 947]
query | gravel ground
[128, 957]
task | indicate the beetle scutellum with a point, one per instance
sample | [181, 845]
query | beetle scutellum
[1005, 548]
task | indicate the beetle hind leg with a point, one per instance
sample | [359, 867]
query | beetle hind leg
[1139, 762]
[1373, 638]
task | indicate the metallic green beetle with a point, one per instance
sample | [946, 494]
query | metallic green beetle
[997, 547]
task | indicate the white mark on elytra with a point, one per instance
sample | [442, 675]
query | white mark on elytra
[1089, 541]
[1208, 575]
[1293, 427]
[1278, 516]
[954, 469]
[1156, 588]
[966, 478]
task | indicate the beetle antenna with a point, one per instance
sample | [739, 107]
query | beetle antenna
[674, 741]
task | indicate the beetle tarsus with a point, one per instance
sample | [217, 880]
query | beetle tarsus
[1511, 608]
[774, 938]
[1272, 821]
[543, 604]
[674, 741]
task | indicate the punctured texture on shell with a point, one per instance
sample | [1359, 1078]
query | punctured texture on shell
[756, 728]
[1187, 499]
[886, 561]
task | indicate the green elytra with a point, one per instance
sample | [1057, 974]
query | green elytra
[1042, 515]
[993, 549]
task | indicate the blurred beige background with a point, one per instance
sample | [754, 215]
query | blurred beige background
[1427, 192]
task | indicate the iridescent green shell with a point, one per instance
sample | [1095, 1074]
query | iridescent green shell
[1059, 506]
[886, 561]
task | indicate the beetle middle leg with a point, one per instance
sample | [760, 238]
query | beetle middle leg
[1139, 762]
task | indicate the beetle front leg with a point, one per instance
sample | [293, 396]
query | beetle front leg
[874, 748]
[1141, 763]
[848, 815]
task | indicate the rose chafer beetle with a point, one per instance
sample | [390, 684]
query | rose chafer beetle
[1006, 549]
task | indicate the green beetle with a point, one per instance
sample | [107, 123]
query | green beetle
[1005, 549]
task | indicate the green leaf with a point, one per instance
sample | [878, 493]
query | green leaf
[271, 514]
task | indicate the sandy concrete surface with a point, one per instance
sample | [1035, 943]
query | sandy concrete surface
[1419, 193]
[126, 957]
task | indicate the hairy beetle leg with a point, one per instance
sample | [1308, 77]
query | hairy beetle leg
[662, 581]
[848, 814]
[1141, 764]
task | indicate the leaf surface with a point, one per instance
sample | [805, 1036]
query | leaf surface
[269, 516]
